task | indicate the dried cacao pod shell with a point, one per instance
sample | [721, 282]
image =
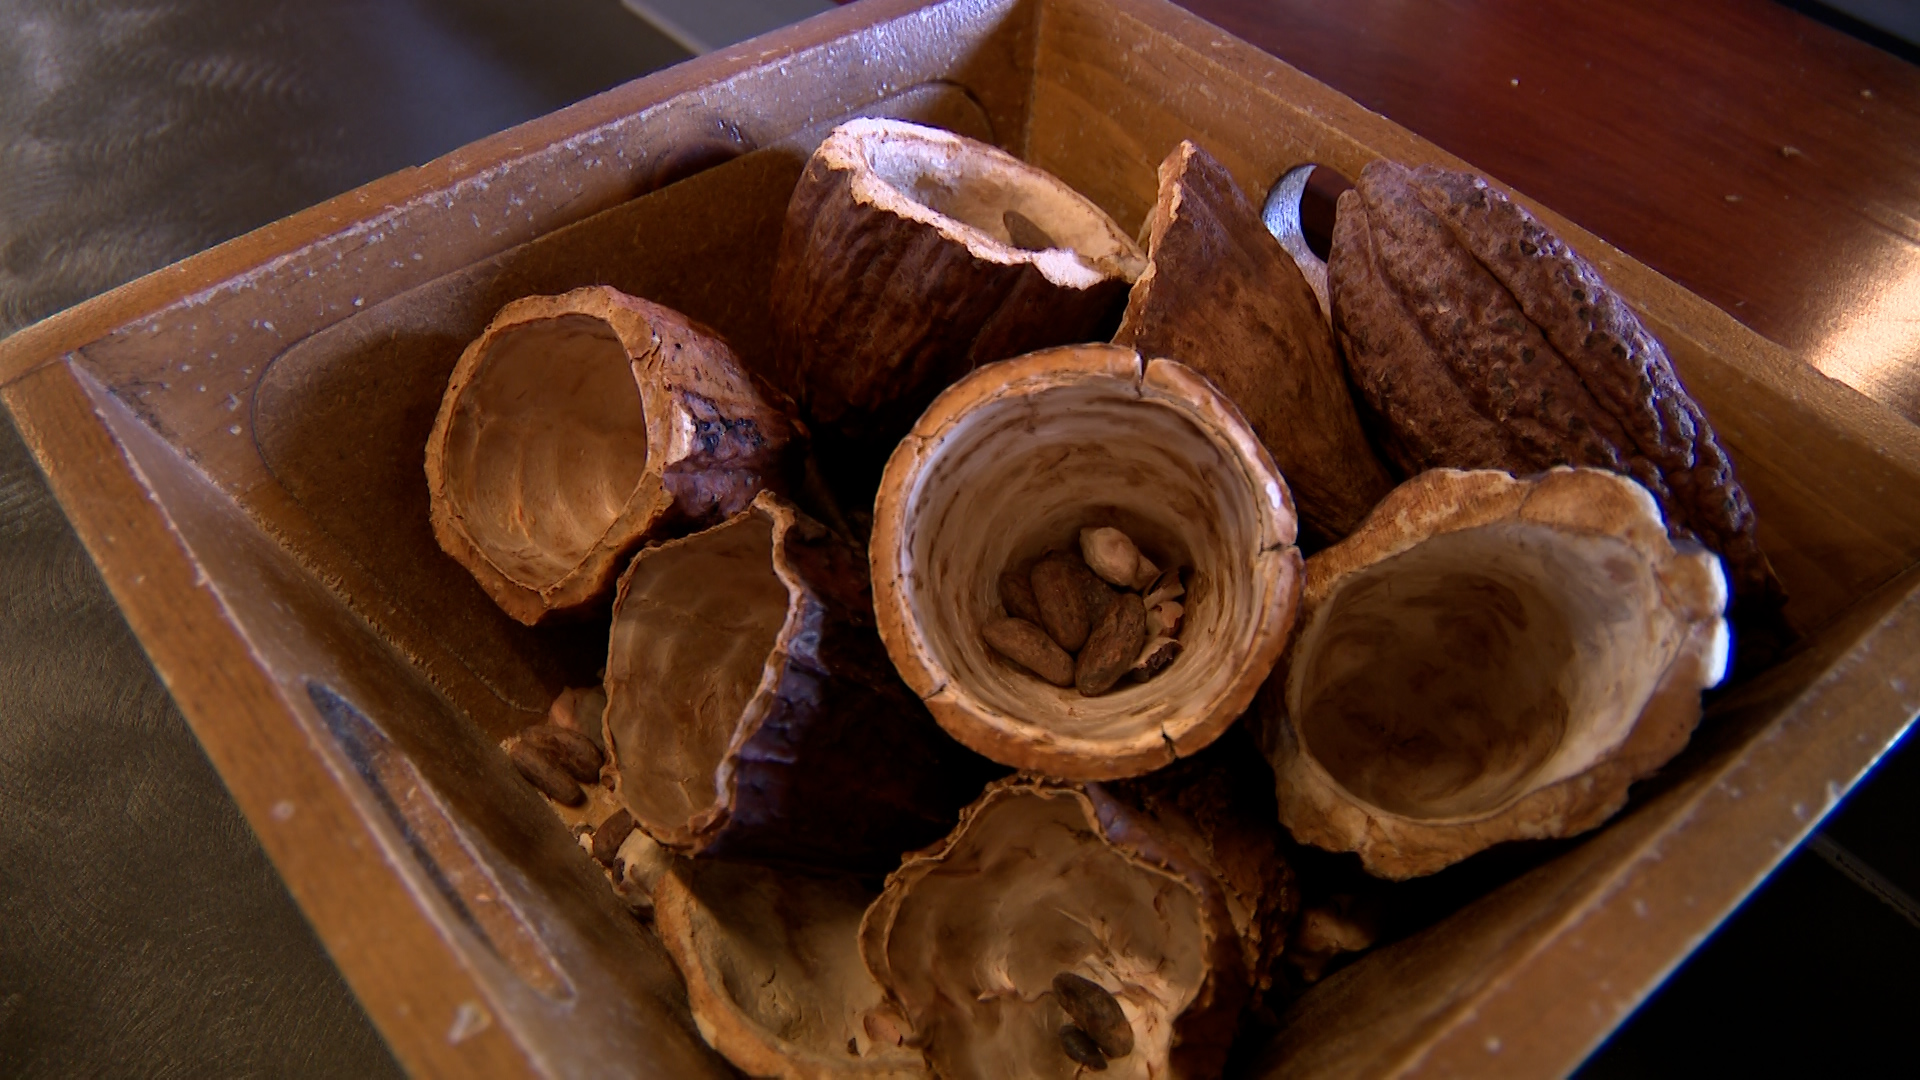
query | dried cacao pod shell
[1011, 463]
[1046, 877]
[751, 711]
[899, 272]
[773, 970]
[1489, 659]
[1479, 340]
[1222, 296]
[578, 427]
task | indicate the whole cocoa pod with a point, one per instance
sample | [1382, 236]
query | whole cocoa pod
[1479, 340]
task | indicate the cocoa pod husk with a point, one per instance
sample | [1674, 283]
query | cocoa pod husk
[897, 273]
[633, 398]
[1479, 340]
[950, 912]
[1029, 646]
[1222, 296]
[751, 709]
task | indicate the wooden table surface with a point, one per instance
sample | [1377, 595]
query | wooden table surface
[1767, 162]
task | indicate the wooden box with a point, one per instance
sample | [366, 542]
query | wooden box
[238, 440]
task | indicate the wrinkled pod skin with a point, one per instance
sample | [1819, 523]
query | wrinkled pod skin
[1479, 340]
[578, 427]
[1489, 659]
[908, 258]
[751, 709]
[1191, 889]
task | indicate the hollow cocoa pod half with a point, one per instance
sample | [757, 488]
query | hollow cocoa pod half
[970, 940]
[1479, 340]
[578, 427]
[899, 271]
[751, 710]
[1222, 296]
[1004, 470]
[1489, 659]
[773, 970]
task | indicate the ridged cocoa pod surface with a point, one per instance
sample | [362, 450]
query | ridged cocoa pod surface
[1135, 887]
[1222, 296]
[577, 428]
[1489, 659]
[911, 256]
[751, 709]
[1479, 340]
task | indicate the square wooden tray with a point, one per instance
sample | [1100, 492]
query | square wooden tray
[238, 441]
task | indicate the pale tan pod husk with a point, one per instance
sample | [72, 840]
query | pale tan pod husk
[1043, 877]
[900, 270]
[1489, 659]
[1222, 296]
[751, 711]
[1013, 461]
[773, 970]
[576, 428]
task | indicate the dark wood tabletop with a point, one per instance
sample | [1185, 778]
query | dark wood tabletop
[1767, 162]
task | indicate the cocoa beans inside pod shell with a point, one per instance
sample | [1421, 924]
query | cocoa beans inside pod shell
[1490, 659]
[1222, 296]
[751, 711]
[900, 270]
[1479, 340]
[577, 427]
[1044, 879]
[773, 970]
[1007, 466]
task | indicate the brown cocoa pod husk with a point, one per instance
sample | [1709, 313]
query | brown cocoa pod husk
[809, 1010]
[1029, 646]
[897, 274]
[1112, 646]
[938, 937]
[1016, 596]
[752, 711]
[571, 750]
[1479, 340]
[565, 399]
[610, 835]
[1063, 599]
[1222, 296]
[1220, 804]
[550, 779]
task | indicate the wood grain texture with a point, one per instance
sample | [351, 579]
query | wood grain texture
[1766, 162]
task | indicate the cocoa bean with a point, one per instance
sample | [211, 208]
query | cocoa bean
[1095, 1012]
[1016, 595]
[1112, 647]
[1061, 595]
[610, 835]
[1024, 234]
[543, 774]
[1081, 1048]
[1029, 646]
[568, 749]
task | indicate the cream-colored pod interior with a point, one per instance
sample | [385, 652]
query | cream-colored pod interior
[1490, 658]
[1012, 462]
